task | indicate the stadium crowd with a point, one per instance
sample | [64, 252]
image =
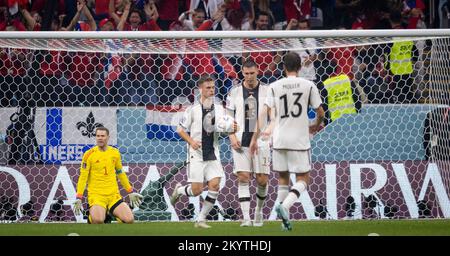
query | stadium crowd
[51, 78]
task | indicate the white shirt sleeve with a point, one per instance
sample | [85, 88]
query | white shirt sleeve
[186, 120]
[231, 102]
[270, 99]
[314, 98]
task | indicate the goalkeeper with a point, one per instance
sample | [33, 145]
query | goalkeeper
[100, 168]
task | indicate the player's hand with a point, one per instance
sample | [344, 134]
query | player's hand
[235, 143]
[77, 207]
[313, 129]
[196, 144]
[265, 135]
[135, 199]
[235, 127]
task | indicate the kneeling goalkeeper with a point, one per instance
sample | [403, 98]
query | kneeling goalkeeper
[100, 167]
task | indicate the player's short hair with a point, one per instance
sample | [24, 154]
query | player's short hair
[292, 62]
[249, 63]
[205, 78]
[102, 129]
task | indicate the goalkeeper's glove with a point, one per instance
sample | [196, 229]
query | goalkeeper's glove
[77, 207]
[135, 199]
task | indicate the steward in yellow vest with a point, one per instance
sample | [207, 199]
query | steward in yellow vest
[340, 97]
[400, 57]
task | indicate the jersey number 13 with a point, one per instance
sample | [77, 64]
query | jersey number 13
[297, 107]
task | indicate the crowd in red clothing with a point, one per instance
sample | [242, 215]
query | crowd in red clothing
[155, 75]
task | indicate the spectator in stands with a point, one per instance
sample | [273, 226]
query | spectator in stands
[133, 19]
[369, 69]
[76, 24]
[297, 9]
[309, 54]
[345, 11]
[263, 6]
[235, 20]
[14, 64]
[169, 11]
[210, 7]
[135, 84]
[198, 17]
[328, 9]
[267, 61]
[339, 93]
[101, 9]
[277, 7]
[83, 68]
[414, 10]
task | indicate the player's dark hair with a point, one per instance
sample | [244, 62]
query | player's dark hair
[204, 79]
[249, 63]
[292, 62]
[102, 129]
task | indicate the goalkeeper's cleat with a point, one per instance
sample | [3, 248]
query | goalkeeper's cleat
[284, 216]
[246, 223]
[201, 224]
[175, 195]
[258, 222]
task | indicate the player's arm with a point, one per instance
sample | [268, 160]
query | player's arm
[265, 112]
[84, 174]
[319, 119]
[122, 176]
[231, 111]
[186, 137]
[76, 17]
[82, 181]
[184, 126]
[135, 198]
[89, 18]
[316, 103]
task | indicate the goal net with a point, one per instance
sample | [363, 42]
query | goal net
[383, 151]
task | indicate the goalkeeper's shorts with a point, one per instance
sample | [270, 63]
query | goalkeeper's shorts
[109, 202]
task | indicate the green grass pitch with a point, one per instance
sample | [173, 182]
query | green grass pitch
[435, 227]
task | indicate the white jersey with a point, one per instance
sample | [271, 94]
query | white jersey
[199, 127]
[246, 112]
[290, 98]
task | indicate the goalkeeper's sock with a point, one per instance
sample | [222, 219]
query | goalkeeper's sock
[261, 194]
[185, 190]
[283, 191]
[208, 204]
[294, 194]
[244, 199]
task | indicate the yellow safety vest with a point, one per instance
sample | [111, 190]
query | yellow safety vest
[400, 58]
[340, 96]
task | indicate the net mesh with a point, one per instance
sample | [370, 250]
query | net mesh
[389, 160]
